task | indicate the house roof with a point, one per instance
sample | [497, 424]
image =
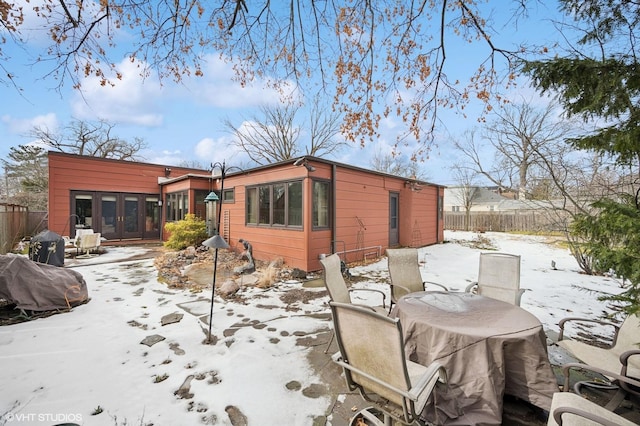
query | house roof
[290, 161]
[343, 165]
[206, 174]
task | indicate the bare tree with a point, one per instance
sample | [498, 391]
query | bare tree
[519, 135]
[466, 191]
[397, 165]
[360, 51]
[276, 135]
[95, 139]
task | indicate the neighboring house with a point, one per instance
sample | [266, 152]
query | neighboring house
[481, 199]
[283, 210]
[486, 200]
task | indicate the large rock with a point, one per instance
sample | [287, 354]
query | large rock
[228, 288]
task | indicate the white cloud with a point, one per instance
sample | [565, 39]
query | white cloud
[22, 126]
[209, 150]
[132, 100]
[218, 89]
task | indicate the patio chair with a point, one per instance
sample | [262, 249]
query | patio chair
[569, 409]
[87, 242]
[337, 287]
[499, 277]
[622, 356]
[373, 360]
[404, 273]
[573, 409]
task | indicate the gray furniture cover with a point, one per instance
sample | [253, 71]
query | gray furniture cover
[489, 348]
[34, 286]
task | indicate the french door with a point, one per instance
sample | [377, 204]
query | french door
[117, 215]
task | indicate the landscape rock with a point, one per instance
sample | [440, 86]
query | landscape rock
[152, 340]
[228, 288]
[298, 274]
[171, 318]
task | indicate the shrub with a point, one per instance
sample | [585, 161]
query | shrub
[191, 231]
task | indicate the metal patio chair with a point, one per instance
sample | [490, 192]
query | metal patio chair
[404, 274]
[569, 409]
[572, 409]
[499, 277]
[373, 359]
[621, 357]
[337, 287]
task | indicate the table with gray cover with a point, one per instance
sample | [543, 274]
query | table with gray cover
[488, 347]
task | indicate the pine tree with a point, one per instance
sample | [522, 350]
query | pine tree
[600, 83]
[26, 169]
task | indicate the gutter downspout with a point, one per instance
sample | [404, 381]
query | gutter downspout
[333, 208]
[439, 206]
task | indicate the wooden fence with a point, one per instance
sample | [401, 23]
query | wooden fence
[527, 221]
[17, 222]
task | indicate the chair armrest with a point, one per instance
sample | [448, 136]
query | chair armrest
[404, 289]
[470, 287]
[424, 285]
[384, 296]
[421, 390]
[624, 356]
[558, 412]
[519, 295]
[566, 371]
[624, 359]
[578, 319]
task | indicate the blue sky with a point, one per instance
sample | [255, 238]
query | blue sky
[185, 122]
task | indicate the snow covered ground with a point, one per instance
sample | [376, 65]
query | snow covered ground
[89, 366]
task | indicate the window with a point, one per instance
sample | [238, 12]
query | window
[455, 208]
[294, 211]
[228, 196]
[177, 205]
[321, 195]
[277, 204]
[252, 205]
[264, 204]
[84, 210]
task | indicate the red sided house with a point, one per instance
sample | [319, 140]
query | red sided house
[298, 210]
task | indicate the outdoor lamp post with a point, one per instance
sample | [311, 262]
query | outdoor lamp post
[216, 242]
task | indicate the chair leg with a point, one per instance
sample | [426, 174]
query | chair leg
[616, 400]
[333, 335]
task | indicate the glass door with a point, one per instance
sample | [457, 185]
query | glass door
[121, 215]
[109, 216]
[83, 212]
[116, 215]
[131, 216]
[151, 217]
[393, 219]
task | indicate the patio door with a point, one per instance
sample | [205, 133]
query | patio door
[393, 219]
[117, 215]
[121, 215]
